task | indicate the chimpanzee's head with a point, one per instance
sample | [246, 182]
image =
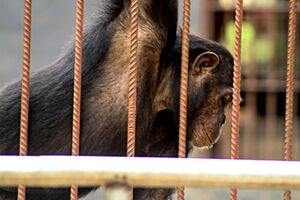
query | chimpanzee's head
[209, 91]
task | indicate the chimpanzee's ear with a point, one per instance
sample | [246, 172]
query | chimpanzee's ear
[205, 63]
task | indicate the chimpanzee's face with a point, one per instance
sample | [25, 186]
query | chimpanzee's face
[208, 120]
[210, 91]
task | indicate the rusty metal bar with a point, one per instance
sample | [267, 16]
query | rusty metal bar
[132, 87]
[236, 88]
[77, 88]
[63, 171]
[184, 85]
[25, 88]
[132, 79]
[289, 109]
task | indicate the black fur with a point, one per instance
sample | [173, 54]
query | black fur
[104, 93]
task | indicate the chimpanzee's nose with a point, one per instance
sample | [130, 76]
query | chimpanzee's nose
[223, 119]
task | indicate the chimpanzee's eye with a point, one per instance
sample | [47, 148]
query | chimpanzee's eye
[227, 98]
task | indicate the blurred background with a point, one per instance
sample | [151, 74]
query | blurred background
[264, 47]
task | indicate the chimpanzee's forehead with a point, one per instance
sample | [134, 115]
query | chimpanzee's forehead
[224, 75]
[199, 45]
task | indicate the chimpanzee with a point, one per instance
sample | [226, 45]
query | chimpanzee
[104, 94]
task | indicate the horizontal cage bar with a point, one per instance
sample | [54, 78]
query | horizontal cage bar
[50, 171]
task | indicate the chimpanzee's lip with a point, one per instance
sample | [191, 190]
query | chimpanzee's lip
[206, 147]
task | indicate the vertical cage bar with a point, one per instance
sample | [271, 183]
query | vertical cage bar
[132, 79]
[25, 88]
[77, 88]
[184, 85]
[132, 87]
[289, 108]
[236, 87]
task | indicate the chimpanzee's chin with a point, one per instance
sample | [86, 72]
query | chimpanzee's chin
[205, 144]
[194, 147]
